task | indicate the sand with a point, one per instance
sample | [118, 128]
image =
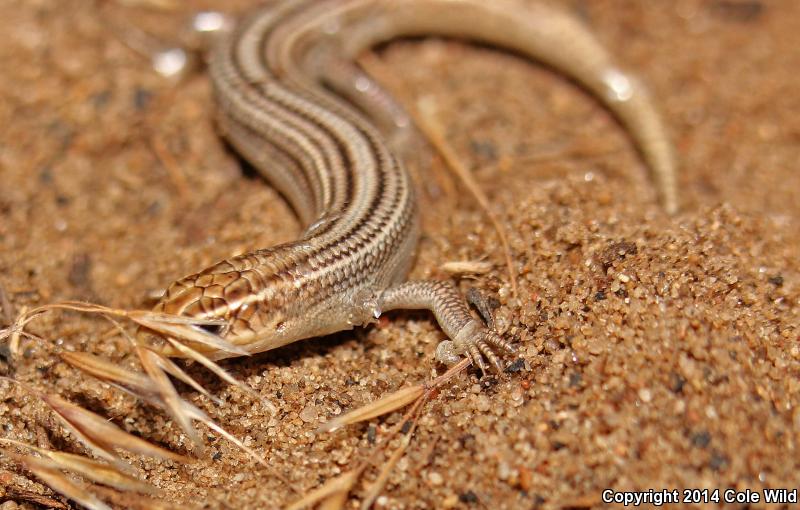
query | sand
[656, 352]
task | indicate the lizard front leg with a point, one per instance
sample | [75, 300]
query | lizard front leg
[467, 335]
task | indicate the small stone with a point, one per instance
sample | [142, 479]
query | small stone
[517, 397]
[525, 477]
[701, 439]
[776, 280]
[468, 497]
[516, 366]
[483, 404]
[435, 479]
[718, 461]
[503, 471]
[309, 413]
[450, 501]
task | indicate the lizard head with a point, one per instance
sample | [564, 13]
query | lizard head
[225, 304]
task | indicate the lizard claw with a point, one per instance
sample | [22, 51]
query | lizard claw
[478, 343]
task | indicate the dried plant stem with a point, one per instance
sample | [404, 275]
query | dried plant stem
[334, 492]
[154, 386]
[426, 119]
[89, 469]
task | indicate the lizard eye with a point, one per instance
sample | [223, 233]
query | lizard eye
[214, 329]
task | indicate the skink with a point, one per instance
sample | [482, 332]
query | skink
[335, 168]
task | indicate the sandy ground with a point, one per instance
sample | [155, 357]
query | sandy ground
[659, 353]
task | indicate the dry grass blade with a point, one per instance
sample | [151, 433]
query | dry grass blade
[101, 436]
[6, 308]
[383, 405]
[221, 373]
[332, 488]
[57, 481]
[170, 367]
[466, 267]
[156, 388]
[137, 502]
[196, 414]
[166, 324]
[159, 385]
[412, 414]
[89, 469]
[80, 422]
[416, 394]
[426, 120]
[50, 501]
[380, 482]
[183, 412]
[75, 306]
[15, 331]
[173, 404]
[429, 124]
[166, 5]
[100, 473]
[184, 328]
[449, 374]
[134, 382]
[335, 501]
[393, 401]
